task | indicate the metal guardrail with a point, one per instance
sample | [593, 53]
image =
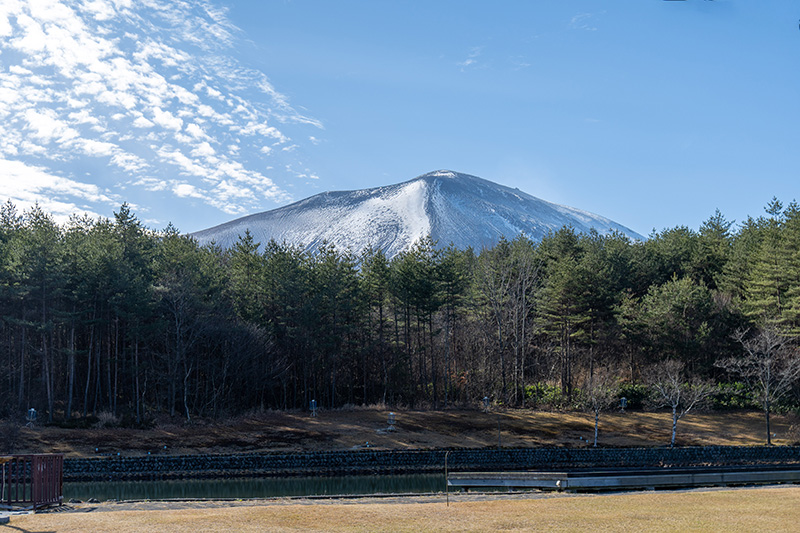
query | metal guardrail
[31, 480]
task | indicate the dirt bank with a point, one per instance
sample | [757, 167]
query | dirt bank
[349, 429]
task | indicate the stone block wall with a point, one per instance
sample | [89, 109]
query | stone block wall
[367, 461]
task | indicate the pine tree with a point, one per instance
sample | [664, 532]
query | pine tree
[42, 260]
[771, 272]
[453, 276]
[564, 309]
[375, 279]
[246, 277]
[714, 250]
[291, 319]
[677, 317]
[791, 231]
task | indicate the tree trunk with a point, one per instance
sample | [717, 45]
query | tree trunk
[674, 425]
[71, 365]
[188, 372]
[47, 375]
[88, 372]
[596, 424]
[136, 380]
[21, 396]
[766, 413]
[116, 368]
[47, 372]
[447, 358]
[434, 366]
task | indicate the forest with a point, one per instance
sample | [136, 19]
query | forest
[109, 316]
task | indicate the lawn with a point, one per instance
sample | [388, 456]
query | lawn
[729, 510]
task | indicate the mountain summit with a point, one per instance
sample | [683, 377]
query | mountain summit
[450, 207]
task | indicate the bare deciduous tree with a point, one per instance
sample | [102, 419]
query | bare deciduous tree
[769, 366]
[672, 389]
[600, 395]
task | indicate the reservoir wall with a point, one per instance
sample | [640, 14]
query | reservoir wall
[376, 461]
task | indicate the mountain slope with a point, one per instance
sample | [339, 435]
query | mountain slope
[451, 207]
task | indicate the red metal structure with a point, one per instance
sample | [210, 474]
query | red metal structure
[31, 480]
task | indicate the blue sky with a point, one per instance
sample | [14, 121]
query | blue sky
[652, 113]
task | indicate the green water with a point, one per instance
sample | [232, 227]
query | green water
[254, 487]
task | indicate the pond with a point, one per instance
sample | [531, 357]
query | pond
[254, 487]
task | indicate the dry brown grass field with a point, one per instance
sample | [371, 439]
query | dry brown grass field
[349, 428]
[772, 509]
[760, 509]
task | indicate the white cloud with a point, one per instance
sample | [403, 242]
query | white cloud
[213, 93]
[100, 9]
[519, 62]
[167, 120]
[187, 165]
[29, 148]
[129, 162]
[582, 21]
[196, 131]
[6, 8]
[33, 39]
[186, 190]
[83, 117]
[147, 87]
[26, 185]
[45, 126]
[152, 184]
[16, 69]
[472, 58]
[141, 122]
[203, 150]
[97, 148]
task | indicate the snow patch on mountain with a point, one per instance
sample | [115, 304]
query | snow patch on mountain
[450, 207]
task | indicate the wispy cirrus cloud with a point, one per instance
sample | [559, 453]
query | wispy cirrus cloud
[28, 185]
[147, 90]
[472, 60]
[583, 21]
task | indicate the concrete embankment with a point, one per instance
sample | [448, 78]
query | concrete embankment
[371, 461]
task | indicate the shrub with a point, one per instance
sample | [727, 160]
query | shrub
[731, 396]
[636, 395]
[76, 423]
[9, 435]
[546, 395]
[106, 419]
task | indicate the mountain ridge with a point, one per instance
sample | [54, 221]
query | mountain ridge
[451, 207]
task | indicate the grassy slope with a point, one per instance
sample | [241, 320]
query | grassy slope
[345, 429]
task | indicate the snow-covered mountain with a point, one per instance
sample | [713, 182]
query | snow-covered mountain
[450, 207]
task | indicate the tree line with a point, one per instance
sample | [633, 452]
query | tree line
[109, 316]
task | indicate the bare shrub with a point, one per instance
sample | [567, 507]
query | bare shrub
[106, 419]
[9, 436]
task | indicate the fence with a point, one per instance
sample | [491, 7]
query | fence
[31, 480]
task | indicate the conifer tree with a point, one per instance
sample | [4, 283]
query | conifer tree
[42, 266]
[770, 274]
[563, 304]
[374, 279]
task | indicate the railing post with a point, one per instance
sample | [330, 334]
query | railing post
[3, 481]
[34, 480]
